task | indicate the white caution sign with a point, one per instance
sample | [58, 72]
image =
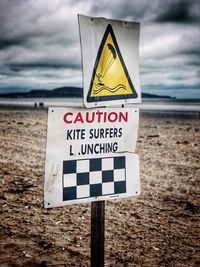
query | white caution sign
[90, 155]
[110, 52]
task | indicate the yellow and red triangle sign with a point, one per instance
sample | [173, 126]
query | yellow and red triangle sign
[110, 78]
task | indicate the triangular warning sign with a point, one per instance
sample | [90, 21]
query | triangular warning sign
[110, 78]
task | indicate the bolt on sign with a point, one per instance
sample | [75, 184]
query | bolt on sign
[110, 51]
[90, 155]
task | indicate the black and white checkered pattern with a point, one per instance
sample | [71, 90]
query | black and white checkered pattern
[94, 177]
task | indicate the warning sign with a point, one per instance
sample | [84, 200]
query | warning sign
[110, 79]
[110, 52]
[90, 155]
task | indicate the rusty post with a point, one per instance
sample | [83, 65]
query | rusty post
[97, 233]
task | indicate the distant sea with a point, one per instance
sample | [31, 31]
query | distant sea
[152, 104]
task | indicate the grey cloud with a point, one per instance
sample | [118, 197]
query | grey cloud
[176, 11]
[127, 10]
[181, 11]
[5, 43]
[39, 40]
[44, 65]
[38, 36]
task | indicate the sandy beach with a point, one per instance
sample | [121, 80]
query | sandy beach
[160, 228]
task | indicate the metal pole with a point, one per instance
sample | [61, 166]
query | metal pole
[97, 233]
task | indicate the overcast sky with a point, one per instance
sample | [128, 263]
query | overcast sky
[39, 43]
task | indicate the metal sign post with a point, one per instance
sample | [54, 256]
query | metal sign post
[97, 233]
[90, 153]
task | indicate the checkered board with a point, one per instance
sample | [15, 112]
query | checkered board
[86, 178]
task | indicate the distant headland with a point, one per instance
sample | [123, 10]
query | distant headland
[62, 92]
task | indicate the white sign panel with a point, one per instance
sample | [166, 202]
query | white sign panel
[110, 56]
[89, 155]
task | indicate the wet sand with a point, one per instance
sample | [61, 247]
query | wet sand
[159, 228]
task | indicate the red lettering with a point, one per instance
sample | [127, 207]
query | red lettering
[96, 117]
[110, 115]
[88, 118]
[105, 116]
[98, 113]
[65, 117]
[123, 116]
[79, 118]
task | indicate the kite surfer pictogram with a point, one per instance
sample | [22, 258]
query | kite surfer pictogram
[109, 57]
[110, 79]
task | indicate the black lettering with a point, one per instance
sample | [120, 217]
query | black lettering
[75, 134]
[83, 149]
[102, 148]
[90, 149]
[70, 150]
[99, 148]
[120, 132]
[95, 149]
[104, 133]
[91, 133]
[101, 133]
[83, 134]
[96, 133]
[115, 147]
[111, 132]
[78, 133]
[69, 137]
[107, 132]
